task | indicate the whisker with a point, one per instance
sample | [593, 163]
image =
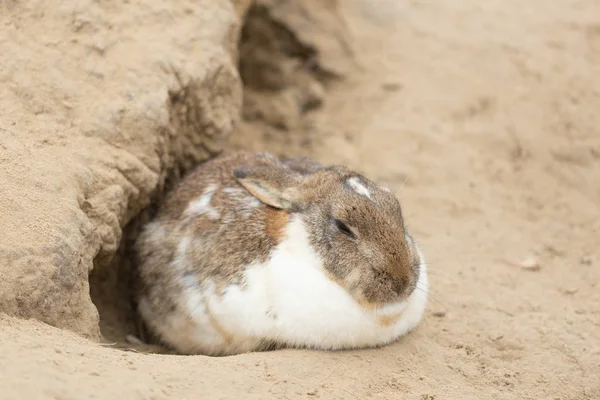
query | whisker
[440, 272]
[426, 293]
[434, 297]
[429, 289]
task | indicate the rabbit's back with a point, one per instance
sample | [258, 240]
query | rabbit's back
[207, 233]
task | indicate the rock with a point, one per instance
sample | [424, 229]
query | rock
[530, 264]
[103, 105]
[585, 260]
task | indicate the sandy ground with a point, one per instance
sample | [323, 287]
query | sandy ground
[484, 117]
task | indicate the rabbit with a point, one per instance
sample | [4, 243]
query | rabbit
[250, 253]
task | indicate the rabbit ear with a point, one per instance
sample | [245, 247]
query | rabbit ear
[273, 186]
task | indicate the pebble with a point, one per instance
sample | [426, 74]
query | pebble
[530, 264]
[586, 260]
[392, 86]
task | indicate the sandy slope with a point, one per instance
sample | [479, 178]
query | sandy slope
[484, 117]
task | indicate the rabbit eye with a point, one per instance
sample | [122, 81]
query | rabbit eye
[342, 227]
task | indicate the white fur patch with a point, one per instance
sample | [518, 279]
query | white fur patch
[201, 205]
[155, 232]
[290, 300]
[361, 189]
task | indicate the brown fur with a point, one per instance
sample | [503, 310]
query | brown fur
[377, 266]
[219, 250]
[276, 223]
[382, 251]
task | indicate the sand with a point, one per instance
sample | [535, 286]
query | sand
[484, 118]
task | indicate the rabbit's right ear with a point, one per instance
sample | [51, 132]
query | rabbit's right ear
[275, 187]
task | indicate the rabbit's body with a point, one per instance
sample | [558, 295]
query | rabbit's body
[223, 273]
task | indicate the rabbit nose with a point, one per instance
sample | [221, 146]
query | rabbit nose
[400, 284]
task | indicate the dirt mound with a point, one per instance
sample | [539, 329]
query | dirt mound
[103, 104]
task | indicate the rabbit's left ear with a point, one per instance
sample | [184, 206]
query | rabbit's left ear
[273, 186]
